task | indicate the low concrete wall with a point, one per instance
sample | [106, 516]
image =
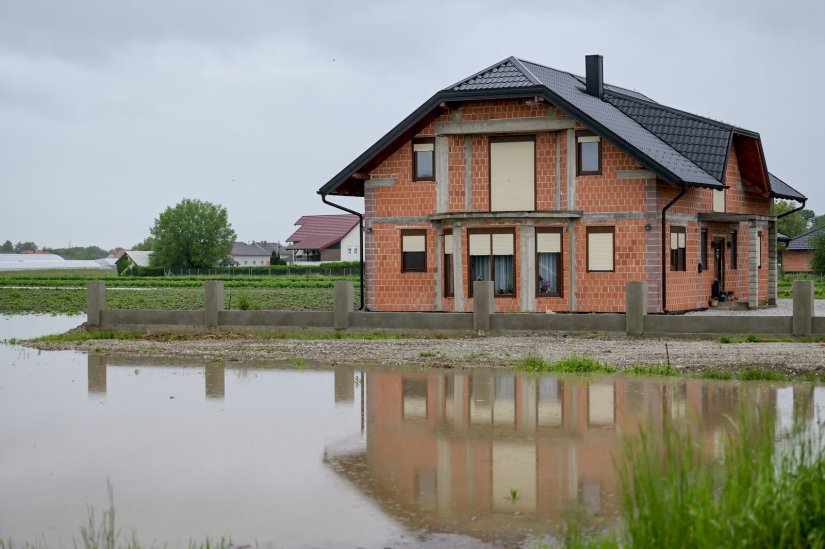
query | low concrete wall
[275, 319]
[110, 318]
[718, 325]
[537, 322]
[483, 319]
[412, 321]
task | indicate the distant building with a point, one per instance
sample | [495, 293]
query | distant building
[325, 238]
[130, 259]
[798, 256]
[256, 253]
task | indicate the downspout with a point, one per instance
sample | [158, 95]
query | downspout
[665, 248]
[360, 240]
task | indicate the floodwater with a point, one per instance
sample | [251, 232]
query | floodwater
[287, 457]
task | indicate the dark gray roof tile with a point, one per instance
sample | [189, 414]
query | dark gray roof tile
[780, 189]
[806, 241]
[503, 75]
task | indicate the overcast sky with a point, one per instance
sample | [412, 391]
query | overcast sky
[110, 111]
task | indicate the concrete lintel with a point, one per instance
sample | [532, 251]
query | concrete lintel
[512, 125]
[374, 183]
[635, 174]
[714, 217]
[504, 216]
[400, 220]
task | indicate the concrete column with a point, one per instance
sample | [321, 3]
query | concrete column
[343, 304]
[571, 169]
[557, 200]
[96, 373]
[442, 173]
[483, 305]
[458, 270]
[213, 297]
[803, 307]
[95, 302]
[527, 254]
[753, 265]
[772, 263]
[636, 307]
[439, 270]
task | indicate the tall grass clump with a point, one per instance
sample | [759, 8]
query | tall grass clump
[571, 364]
[759, 494]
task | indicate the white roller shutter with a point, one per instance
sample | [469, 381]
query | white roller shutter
[503, 244]
[600, 251]
[448, 243]
[719, 200]
[512, 176]
[548, 243]
[479, 244]
[413, 243]
[423, 147]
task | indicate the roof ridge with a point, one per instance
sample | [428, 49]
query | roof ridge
[581, 78]
[815, 229]
[662, 106]
[512, 60]
[525, 71]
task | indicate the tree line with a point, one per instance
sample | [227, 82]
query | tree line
[74, 252]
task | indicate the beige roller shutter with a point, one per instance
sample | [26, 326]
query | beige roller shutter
[600, 251]
[548, 243]
[589, 139]
[448, 243]
[512, 176]
[423, 147]
[503, 244]
[674, 241]
[413, 243]
[682, 240]
[600, 404]
[719, 200]
[479, 244]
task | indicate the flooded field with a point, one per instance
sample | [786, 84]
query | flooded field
[290, 456]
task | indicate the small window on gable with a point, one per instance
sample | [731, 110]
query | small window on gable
[600, 249]
[678, 245]
[718, 200]
[423, 159]
[588, 153]
[413, 250]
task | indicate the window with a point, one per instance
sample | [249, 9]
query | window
[678, 243]
[600, 249]
[759, 250]
[548, 262]
[413, 250]
[423, 159]
[733, 249]
[492, 258]
[718, 200]
[703, 253]
[588, 153]
[512, 174]
[449, 280]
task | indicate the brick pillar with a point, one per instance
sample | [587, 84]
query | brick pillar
[213, 297]
[95, 302]
[343, 304]
[803, 307]
[483, 305]
[636, 307]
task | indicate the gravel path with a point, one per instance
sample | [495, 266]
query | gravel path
[491, 351]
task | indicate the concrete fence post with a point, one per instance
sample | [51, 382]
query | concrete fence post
[343, 304]
[95, 301]
[483, 305]
[213, 297]
[803, 307]
[635, 307]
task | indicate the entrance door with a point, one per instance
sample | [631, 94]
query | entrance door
[719, 262]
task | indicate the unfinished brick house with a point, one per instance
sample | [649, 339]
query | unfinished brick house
[560, 189]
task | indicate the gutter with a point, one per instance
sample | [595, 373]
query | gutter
[780, 216]
[360, 240]
[665, 247]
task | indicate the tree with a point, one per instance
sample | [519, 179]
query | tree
[795, 224]
[819, 221]
[7, 247]
[193, 233]
[275, 259]
[818, 251]
[25, 247]
[148, 245]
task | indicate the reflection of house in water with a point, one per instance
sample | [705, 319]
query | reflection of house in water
[443, 450]
[97, 366]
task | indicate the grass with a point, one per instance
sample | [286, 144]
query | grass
[80, 336]
[784, 286]
[759, 494]
[753, 338]
[572, 364]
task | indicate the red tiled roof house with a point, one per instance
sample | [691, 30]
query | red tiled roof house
[325, 238]
[559, 189]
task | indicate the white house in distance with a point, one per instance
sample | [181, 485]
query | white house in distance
[256, 253]
[325, 238]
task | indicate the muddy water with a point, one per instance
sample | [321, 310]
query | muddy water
[285, 456]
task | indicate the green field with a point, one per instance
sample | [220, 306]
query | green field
[785, 284]
[62, 292]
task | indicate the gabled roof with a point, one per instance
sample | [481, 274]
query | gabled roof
[140, 258]
[681, 148]
[780, 189]
[254, 248]
[318, 232]
[806, 241]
